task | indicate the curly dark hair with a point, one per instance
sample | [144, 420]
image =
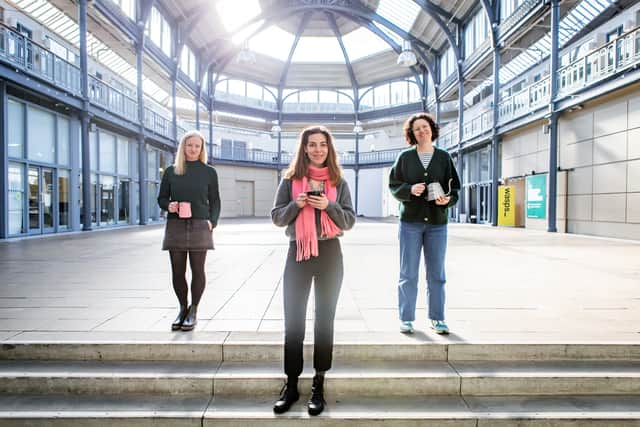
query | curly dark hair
[408, 127]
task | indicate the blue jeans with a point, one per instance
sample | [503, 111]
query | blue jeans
[414, 237]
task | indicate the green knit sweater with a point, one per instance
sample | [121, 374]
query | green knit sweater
[198, 185]
[408, 170]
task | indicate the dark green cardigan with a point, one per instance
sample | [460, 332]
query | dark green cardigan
[199, 185]
[408, 170]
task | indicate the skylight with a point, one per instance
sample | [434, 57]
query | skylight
[402, 13]
[362, 43]
[318, 49]
[273, 42]
[58, 22]
[574, 21]
[234, 13]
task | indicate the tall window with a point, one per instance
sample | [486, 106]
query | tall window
[159, 31]
[188, 63]
[128, 7]
[476, 32]
[447, 64]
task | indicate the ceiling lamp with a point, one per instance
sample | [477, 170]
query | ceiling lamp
[245, 56]
[276, 129]
[407, 58]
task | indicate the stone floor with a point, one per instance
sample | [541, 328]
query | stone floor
[504, 285]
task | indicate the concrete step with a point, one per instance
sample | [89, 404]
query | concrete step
[244, 347]
[480, 411]
[366, 378]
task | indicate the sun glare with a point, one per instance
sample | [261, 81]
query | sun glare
[234, 13]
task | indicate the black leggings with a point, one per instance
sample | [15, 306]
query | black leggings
[326, 272]
[179, 271]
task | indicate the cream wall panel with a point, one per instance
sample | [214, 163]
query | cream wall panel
[542, 161]
[510, 167]
[528, 142]
[634, 112]
[579, 207]
[610, 148]
[633, 207]
[527, 164]
[575, 127]
[633, 144]
[610, 118]
[609, 229]
[633, 176]
[609, 207]
[265, 186]
[581, 181]
[576, 155]
[543, 140]
[611, 178]
[509, 149]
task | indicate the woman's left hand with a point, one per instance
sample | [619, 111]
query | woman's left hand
[444, 200]
[319, 202]
[210, 226]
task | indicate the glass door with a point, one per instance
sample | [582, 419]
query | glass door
[34, 200]
[48, 195]
[41, 200]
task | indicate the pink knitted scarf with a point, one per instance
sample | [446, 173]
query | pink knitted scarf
[306, 238]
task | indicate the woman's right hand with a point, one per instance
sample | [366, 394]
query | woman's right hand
[418, 189]
[301, 200]
[173, 207]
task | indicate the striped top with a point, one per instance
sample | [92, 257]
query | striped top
[425, 158]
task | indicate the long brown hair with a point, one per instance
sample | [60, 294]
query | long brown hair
[299, 166]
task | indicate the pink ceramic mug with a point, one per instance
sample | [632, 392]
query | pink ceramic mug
[184, 209]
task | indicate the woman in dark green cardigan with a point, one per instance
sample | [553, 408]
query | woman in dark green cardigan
[423, 218]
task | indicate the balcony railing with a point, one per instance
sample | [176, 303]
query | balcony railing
[601, 63]
[29, 56]
[114, 100]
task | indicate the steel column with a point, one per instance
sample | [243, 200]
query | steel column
[553, 118]
[4, 161]
[84, 118]
[142, 153]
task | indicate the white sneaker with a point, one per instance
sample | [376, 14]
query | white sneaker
[406, 327]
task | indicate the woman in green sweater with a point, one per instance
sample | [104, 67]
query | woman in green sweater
[423, 218]
[189, 192]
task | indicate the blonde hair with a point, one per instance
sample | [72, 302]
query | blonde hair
[299, 166]
[180, 162]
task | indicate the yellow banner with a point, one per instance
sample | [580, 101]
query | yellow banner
[507, 205]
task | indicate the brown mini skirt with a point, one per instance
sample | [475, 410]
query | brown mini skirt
[187, 235]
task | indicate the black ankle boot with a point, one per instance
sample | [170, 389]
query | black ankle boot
[288, 396]
[316, 402]
[191, 320]
[177, 324]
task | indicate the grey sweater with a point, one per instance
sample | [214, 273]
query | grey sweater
[285, 211]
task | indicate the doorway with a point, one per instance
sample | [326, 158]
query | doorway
[42, 199]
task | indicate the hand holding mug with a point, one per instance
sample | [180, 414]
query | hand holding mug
[418, 189]
[443, 200]
[173, 207]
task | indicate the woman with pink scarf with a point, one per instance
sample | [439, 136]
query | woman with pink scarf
[314, 203]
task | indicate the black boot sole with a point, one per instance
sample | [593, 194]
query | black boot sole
[283, 409]
[187, 328]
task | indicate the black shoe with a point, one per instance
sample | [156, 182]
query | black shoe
[316, 402]
[288, 396]
[177, 324]
[191, 320]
